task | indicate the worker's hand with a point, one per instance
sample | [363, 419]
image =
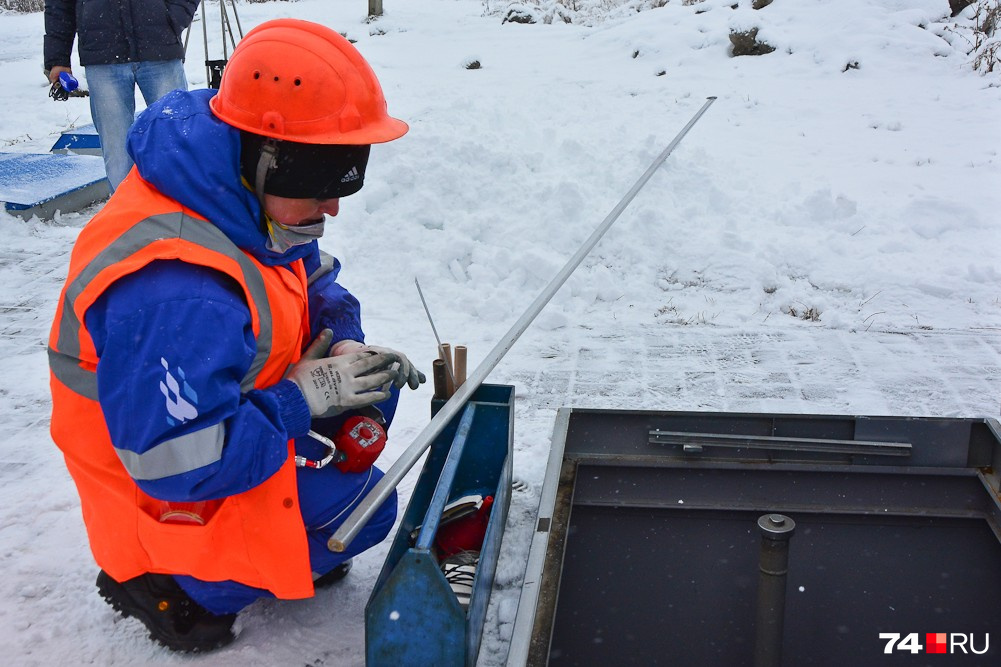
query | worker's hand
[406, 373]
[53, 74]
[332, 385]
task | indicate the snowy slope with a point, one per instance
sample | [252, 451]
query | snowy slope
[826, 240]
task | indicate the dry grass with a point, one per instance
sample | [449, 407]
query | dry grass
[980, 33]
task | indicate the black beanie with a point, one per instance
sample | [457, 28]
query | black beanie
[306, 171]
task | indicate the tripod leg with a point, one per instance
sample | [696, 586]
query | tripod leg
[236, 16]
[205, 40]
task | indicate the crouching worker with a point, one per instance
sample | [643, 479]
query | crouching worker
[201, 336]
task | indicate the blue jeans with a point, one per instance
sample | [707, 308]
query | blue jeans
[113, 104]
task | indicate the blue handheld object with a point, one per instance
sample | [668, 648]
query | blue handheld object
[68, 81]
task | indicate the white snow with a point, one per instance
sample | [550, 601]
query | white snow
[826, 240]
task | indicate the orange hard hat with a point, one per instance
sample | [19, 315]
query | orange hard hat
[300, 81]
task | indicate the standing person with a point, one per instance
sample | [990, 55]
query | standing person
[201, 335]
[122, 44]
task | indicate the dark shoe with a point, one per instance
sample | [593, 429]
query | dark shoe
[172, 618]
[333, 576]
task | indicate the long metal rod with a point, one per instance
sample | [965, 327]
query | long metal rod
[346, 532]
[694, 442]
[434, 329]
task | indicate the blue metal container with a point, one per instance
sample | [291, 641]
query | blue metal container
[413, 617]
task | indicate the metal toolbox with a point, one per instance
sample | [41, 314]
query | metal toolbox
[413, 616]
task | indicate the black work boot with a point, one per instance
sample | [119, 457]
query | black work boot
[333, 576]
[172, 618]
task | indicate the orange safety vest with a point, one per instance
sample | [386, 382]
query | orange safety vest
[256, 537]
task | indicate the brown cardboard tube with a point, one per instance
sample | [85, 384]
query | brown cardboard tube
[440, 375]
[445, 352]
[460, 365]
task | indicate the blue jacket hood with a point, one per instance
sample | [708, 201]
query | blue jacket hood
[188, 154]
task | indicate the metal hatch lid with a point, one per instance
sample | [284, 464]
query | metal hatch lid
[942, 446]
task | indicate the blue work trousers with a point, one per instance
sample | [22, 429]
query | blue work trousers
[326, 498]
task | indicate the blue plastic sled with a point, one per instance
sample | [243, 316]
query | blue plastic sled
[43, 183]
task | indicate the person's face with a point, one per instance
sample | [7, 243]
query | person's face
[294, 212]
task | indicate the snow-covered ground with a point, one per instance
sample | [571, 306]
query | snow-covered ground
[826, 240]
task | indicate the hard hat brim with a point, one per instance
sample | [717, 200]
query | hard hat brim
[386, 129]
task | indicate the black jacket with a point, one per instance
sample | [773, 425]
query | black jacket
[115, 31]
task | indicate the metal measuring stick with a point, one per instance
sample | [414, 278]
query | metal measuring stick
[384, 488]
[441, 348]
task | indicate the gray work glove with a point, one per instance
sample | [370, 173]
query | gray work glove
[332, 385]
[406, 374]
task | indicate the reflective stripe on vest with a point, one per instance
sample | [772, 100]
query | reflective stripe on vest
[192, 450]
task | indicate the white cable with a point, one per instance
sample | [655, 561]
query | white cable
[360, 494]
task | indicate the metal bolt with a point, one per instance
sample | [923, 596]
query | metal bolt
[776, 526]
